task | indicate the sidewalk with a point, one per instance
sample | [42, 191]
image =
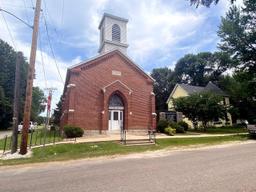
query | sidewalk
[116, 137]
[4, 133]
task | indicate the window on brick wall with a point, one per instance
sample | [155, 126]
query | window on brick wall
[116, 36]
[116, 101]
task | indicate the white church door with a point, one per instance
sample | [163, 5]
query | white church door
[116, 113]
[115, 120]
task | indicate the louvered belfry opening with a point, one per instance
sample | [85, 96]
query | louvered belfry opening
[116, 35]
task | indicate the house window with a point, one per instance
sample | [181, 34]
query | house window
[116, 33]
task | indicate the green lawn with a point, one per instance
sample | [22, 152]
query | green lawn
[221, 130]
[37, 138]
[63, 152]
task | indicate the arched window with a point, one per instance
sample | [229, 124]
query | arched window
[116, 36]
[116, 101]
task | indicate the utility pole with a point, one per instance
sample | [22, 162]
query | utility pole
[16, 102]
[30, 78]
[49, 100]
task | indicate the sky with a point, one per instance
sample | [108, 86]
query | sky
[160, 32]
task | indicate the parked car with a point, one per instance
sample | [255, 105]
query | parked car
[251, 129]
[31, 127]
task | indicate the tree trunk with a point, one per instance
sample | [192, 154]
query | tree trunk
[204, 125]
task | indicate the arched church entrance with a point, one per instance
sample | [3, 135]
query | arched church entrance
[116, 113]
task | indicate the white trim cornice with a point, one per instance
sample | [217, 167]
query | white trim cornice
[104, 88]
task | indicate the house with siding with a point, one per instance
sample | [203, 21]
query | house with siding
[184, 90]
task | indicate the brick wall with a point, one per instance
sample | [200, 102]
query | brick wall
[95, 82]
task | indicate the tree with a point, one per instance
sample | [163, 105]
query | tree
[203, 107]
[5, 107]
[162, 87]
[240, 89]
[40, 120]
[199, 69]
[7, 80]
[38, 99]
[238, 39]
[238, 36]
[57, 112]
[206, 3]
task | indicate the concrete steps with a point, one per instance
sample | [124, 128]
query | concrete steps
[138, 142]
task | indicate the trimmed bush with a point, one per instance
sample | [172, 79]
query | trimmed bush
[161, 125]
[73, 131]
[184, 125]
[169, 131]
[178, 127]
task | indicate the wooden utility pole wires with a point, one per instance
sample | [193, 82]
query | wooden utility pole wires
[30, 78]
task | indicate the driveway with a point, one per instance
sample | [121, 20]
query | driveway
[226, 168]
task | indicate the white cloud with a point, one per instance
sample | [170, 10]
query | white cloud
[155, 27]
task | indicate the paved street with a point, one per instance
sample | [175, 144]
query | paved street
[226, 168]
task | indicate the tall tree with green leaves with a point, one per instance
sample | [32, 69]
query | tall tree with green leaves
[38, 100]
[163, 85]
[7, 80]
[57, 112]
[240, 88]
[238, 36]
[199, 69]
[238, 39]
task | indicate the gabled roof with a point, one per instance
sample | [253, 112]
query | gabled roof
[215, 89]
[117, 51]
[191, 89]
[101, 56]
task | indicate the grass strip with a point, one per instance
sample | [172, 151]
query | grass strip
[64, 152]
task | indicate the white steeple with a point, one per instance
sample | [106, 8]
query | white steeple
[113, 33]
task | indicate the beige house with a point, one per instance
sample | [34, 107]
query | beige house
[183, 90]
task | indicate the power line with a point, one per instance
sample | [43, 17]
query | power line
[16, 17]
[50, 19]
[50, 45]
[62, 10]
[42, 59]
[15, 6]
[25, 5]
[9, 31]
[32, 3]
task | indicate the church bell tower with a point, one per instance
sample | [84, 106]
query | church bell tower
[113, 34]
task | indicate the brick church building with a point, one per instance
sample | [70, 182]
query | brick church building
[109, 92]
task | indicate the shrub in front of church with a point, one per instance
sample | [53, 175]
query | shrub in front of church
[169, 131]
[73, 131]
[180, 127]
[184, 125]
[161, 125]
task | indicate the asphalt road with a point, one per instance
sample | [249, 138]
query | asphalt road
[228, 168]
